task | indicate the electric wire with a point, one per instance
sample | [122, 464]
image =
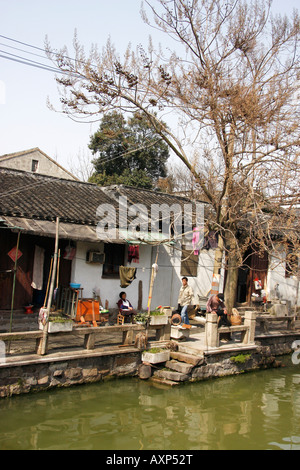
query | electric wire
[42, 50]
[32, 63]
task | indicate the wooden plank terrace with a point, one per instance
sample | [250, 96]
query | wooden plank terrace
[85, 337]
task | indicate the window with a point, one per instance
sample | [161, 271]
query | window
[189, 263]
[34, 165]
[114, 258]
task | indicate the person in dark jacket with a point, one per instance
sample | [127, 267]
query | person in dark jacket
[124, 305]
[215, 304]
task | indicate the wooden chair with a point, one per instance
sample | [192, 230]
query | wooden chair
[121, 318]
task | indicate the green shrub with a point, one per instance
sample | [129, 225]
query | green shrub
[241, 358]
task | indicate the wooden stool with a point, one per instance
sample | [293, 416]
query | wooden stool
[120, 319]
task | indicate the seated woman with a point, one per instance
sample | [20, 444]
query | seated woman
[124, 305]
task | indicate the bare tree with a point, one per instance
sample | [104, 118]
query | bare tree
[82, 167]
[232, 80]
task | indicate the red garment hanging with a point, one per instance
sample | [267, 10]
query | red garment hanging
[133, 253]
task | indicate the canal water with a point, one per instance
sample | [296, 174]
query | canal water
[257, 410]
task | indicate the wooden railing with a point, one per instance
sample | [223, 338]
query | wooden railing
[90, 334]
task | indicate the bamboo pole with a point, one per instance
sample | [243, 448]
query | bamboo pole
[13, 288]
[153, 274]
[51, 290]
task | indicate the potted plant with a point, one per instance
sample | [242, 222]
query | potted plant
[156, 355]
[141, 318]
[158, 317]
[58, 323]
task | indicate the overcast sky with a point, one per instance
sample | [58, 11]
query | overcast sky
[25, 120]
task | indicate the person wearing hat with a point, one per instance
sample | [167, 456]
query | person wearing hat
[215, 304]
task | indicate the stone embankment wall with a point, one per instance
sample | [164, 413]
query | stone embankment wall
[30, 377]
[263, 357]
[47, 373]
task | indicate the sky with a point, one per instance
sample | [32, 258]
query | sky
[25, 119]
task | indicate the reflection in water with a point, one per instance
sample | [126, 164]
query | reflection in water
[254, 411]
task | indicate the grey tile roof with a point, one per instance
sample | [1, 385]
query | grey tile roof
[34, 196]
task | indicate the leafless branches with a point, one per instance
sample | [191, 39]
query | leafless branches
[232, 80]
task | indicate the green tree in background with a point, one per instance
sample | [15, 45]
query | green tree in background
[128, 152]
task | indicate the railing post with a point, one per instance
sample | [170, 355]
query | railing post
[250, 321]
[211, 330]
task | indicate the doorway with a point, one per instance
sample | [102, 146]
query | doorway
[255, 267]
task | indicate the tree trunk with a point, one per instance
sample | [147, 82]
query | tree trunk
[233, 261]
[231, 283]
[217, 267]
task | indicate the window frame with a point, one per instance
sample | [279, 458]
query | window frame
[114, 258]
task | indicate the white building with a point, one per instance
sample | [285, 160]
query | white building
[35, 161]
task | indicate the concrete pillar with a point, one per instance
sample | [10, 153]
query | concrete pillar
[250, 320]
[211, 330]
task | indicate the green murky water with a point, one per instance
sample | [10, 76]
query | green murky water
[252, 411]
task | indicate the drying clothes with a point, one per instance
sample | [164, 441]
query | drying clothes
[196, 240]
[38, 268]
[133, 253]
[69, 252]
[127, 275]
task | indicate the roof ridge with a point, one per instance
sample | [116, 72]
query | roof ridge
[8, 156]
[39, 175]
[120, 186]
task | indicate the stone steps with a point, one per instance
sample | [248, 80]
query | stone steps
[163, 382]
[21, 321]
[171, 375]
[187, 358]
[178, 369]
[190, 351]
[181, 367]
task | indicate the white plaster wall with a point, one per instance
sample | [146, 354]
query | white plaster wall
[167, 281]
[287, 287]
[90, 277]
[45, 166]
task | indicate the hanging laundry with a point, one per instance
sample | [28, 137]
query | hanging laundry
[38, 268]
[127, 275]
[196, 240]
[133, 253]
[69, 252]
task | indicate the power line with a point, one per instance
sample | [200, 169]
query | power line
[21, 50]
[43, 50]
[25, 61]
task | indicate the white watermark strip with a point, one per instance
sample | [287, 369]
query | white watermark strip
[162, 222]
[296, 353]
[2, 352]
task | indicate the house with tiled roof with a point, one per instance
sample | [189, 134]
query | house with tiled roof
[35, 161]
[94, 221]
[104, 228]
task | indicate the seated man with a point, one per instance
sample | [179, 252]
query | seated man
[125, 306]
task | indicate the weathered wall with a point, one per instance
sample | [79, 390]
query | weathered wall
[46, 166]
[279, 286]
[15, 380]
[44, 375]
[167, 281]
